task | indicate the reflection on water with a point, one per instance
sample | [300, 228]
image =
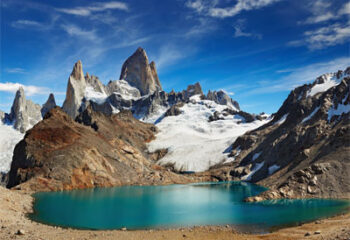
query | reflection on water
[137, 207]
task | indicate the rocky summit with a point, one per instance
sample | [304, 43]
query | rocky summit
[139, 73]
[75, 91]
[24, 113]
[304, 150]
[48, 105]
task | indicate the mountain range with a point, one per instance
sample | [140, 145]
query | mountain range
[130, 131]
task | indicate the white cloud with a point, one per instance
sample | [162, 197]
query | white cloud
[323, 37]
[15, 70]
[74, 30]
[27, 23]
[201, 6]
[345, 9]
[98, 7]
[320, 11]
[203, 26]
[239, 28]
[241, 5]
[211, 8]
[333, 29]
[168, 55]
[29, 89]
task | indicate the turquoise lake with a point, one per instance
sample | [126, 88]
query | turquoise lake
[144, 207]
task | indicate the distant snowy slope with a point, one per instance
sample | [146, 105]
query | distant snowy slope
[326, 81]
[9, 137]
[194, 143]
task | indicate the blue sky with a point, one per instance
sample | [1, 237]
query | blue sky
[256, 50]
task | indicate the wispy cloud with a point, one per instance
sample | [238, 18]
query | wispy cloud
[345, 9]
[15, 70]
[212, 9]
[27, 24]
[74, 30]
[29, 89]
[323, 37]
[241, 5]
[320, 12]
[168, 55]
[97, 7]
[330, 27]
[240, 27]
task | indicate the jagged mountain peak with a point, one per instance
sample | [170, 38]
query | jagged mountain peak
[139, 73]
[48, 105]
[75, 90]
[77, 71]
[24, 113]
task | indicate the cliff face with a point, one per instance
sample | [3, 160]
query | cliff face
[24, 113]
[304, 151]
[76, 88]
[139, 73]
[60, 153]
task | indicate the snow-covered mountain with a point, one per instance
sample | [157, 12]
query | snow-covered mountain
[304, 150]
[196, 129]
[196, 136]
[193, 142]
[23, 116]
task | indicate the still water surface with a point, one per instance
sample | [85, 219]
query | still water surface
[142, 207]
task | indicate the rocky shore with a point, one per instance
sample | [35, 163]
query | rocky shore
[14, 224]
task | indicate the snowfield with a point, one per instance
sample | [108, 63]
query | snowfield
[9, 137]
[193, 143]
[329, 80]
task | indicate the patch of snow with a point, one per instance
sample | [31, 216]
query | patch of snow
[114, 110]
[256, 168]
[127, 91]
[196, 98]
[9, 137]
[231, 159]
[300, 96]
[194, 143]
[338, 111]
[256, 155]
[330, 80]
[92, 95]
[155, 116]
[310, 115]
[273, 169]
[341, 108]
[282, 120]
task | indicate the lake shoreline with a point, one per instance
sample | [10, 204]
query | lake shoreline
[15, 205]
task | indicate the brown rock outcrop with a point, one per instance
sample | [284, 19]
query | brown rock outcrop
[60, 153]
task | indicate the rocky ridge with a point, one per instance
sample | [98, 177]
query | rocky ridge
[304, 150]
[95, 150]
[138, 90]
